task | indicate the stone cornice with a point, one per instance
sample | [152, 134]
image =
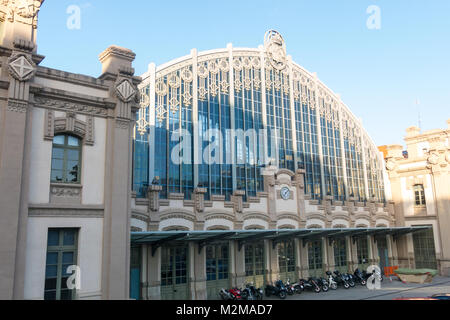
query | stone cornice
[35, 210]
[73, 78]
[48, 99]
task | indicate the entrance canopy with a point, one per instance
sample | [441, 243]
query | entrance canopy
[159, 238]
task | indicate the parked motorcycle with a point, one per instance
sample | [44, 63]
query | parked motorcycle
[225, 295]
[278, 289]
[298, 287]
[323, 284]
[359, 276]
[252, 293]
[235, 293]
[349, 278]
[331, 282]
[341, 280]
[310, 284]
[289, 287]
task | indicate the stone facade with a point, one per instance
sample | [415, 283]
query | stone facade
[37, 103]
[427, 164]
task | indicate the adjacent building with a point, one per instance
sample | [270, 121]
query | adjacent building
[419, 181]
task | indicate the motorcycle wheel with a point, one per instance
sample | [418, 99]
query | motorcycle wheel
[346, 286]
[282, 295]
[290, 292]
[352, 284]
[267, 293]
[363, 282]
[325, 288]
[334, 286]
[317, 289]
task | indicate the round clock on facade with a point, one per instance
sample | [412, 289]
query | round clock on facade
[285, 193]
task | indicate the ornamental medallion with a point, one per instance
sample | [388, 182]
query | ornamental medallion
[275, 49]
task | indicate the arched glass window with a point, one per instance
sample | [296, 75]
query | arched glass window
[66, 159]
[419, 193]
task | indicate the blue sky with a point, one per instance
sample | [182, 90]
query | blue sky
[379, 73]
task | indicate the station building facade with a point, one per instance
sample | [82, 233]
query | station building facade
[88, 176]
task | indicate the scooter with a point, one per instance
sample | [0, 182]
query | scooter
[277, 290]
[331, 283]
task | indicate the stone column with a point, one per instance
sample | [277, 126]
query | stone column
[354, 253]
[304, 260]
[272, 267]
[144, 271]
[331, 263]
[198, 283]
[154, 275]
[298, 259]
[238, 277]
[118, 74]
[18, 59]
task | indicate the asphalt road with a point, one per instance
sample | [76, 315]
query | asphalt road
[389, 291]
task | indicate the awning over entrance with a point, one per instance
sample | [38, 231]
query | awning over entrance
[158, 238]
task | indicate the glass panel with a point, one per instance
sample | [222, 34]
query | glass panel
[73, 142]
[57, 164]
[57, 176]
[53, 238]
[69, 237]
[52, 258]
[51, 271]
[58, 153]
[66, 295]
[73, 155]
[50, 295]
[58, 140]
[67, 257]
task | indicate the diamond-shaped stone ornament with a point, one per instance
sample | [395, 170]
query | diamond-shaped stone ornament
[22, 68]
[126, 91]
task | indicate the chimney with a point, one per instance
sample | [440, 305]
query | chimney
[117, 60]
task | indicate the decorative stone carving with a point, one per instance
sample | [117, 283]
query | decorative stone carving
[125, 91]
[61, 105]
[65, 193]
[17, 106]
[433, 159]
[199, 199]
[21, 67]
[238, 201]
[153, 198]
[391, 165]
[275, 49]
[70, 123]
[22, 11]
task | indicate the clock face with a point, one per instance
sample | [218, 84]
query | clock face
[286, 193]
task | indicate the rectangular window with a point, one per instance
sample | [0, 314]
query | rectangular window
[419, 193]
[61, 254]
